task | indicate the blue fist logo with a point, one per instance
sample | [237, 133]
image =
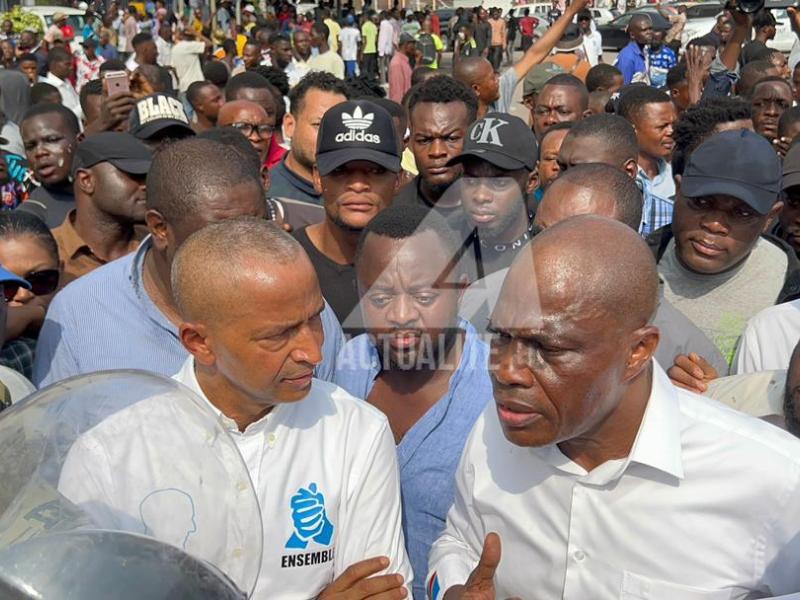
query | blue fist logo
[309, 518]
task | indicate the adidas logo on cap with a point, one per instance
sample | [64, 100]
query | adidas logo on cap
[357, 124]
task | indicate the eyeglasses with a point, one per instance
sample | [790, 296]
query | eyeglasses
[42, 283]
[247, 129]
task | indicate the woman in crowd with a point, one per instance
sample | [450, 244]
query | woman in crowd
[27, 249]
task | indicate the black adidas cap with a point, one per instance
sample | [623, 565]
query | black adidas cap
[503, 140]
[357, 130]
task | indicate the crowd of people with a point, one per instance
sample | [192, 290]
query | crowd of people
[430, 327]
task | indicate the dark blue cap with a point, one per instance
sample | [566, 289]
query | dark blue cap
[736, 163]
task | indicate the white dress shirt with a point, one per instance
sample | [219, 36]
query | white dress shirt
[69, 97]
[769, 339]
[705, 507]
[335, 451]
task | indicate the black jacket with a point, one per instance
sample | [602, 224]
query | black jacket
[658, 241]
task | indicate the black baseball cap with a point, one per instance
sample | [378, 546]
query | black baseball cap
[152, 114]
[736, 163]
[503, 140]
[791, 167]
[357, 130]
[122, 150]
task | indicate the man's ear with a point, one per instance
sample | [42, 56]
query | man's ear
[85, 181]
[533, 180]
[772, 215]
[316, 179]
[194, 337]
[631, 168]
[678, 180]
[158, 227]
[643, 348]
[288, 125]
[265, 178]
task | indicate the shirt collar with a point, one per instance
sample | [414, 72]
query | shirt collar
[188, 377]
[300, 182]
[71, 241]
[662, 169]
[136, 277]
[657, 443]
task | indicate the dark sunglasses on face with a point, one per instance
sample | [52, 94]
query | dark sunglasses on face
[42, 283]
[247, 129]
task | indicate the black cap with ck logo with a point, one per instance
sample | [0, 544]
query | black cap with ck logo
[503, 140]
[357, 130]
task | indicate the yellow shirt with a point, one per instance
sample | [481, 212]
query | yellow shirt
[334, 31]
[369, 35]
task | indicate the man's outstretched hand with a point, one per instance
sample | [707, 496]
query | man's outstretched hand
[480, 583]
[357, 583]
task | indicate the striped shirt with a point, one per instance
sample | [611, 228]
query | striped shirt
[106, 320]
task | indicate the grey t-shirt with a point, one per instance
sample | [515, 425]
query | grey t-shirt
[508, 81]
[720, 305]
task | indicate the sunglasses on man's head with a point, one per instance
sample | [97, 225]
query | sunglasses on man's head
[42, 283]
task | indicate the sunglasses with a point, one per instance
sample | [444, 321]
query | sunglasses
[42, 283]
[247, 129]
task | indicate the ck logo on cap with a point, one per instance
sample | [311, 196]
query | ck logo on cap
[486, 131]
[356, 125]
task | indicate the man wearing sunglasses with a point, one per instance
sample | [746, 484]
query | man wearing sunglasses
[109, 184]
[251, 120]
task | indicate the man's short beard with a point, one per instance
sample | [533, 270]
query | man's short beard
[301, 157]
[337, 220]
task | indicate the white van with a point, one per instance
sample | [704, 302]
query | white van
[74, 18]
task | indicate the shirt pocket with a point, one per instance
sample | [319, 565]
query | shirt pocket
[637, 587]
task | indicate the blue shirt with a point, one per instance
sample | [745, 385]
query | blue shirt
[661, 61]
[630, 61]
[108, 52]
[658, 196]
[106, 320]
[429, 453]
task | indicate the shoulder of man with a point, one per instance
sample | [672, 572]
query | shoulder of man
[658, 241]
[791, 285]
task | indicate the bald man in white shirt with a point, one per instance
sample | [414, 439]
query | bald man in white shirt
[601, 478]
[322, 462]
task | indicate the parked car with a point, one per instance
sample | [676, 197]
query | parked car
[602, 16]
[784, 36]
[615, 34]
[74, 18]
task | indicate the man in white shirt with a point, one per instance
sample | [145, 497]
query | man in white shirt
[769, 339]
[322, 462]
[385, 43]
[601, 478]
[186, 59]
[592, 40]
[59, 66]
[350, 40]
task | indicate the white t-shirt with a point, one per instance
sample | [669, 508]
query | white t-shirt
[769, 339]
[329, 451]
[186, 61]
[349, 37]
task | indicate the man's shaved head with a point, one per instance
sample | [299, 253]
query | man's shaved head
[234, 251]
[602, 264]
[231, 111]
[573, 343]
[591, 189]
[469, 69]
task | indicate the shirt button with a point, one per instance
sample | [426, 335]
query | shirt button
[242, 486]
[271, 439]
[237, 552]
[579, 555]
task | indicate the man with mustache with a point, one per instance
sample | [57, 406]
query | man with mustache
[419, 363]
[653, 115]
[357, 174]
[718, 269]
[588, 441]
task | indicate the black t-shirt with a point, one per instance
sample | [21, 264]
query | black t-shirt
[338, 284]
[51, 205]
[753, 51]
